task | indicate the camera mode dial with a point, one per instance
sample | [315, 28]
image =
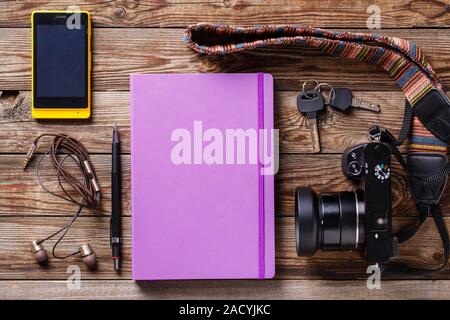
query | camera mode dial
[382, 171]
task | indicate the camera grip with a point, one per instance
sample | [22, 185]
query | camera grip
[421, 165]
[433, 110]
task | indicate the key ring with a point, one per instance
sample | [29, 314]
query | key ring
[332, 94]
[304, 87]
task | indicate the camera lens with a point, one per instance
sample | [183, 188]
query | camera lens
[306, 222]
[330, 221]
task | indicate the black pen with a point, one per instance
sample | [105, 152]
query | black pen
[115, 235]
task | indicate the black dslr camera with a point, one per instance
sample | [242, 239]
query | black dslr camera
[351, 220]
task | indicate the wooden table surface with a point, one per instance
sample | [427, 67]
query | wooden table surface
[146, 37]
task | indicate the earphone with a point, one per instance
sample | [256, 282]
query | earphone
[87, 189]
[86, 253]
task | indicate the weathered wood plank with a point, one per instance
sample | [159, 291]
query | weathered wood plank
[171, 13]
[337, 130]
[20, 192]
[119, 52]
[21, 195]
[249, 289]
[18, 263]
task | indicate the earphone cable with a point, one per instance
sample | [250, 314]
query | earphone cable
[75, 216]
[87, 189]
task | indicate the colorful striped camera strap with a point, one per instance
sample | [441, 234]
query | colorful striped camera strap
[427, 162]
[402, 59]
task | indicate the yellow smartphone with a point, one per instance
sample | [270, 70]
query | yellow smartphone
[61, 65]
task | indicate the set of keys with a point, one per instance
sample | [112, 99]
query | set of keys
[312, 102]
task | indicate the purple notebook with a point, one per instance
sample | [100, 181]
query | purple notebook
[202, 187]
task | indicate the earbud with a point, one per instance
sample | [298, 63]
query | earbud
[86, 253]
[88, 256]
[39, 253]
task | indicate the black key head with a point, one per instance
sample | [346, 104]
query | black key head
[342, 99]
[310, 102]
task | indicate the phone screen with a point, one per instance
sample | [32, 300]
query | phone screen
[60, 60]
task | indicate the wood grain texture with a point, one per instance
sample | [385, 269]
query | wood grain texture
[21, 195]
[178, 13]
[146, 37]
[337, 130]
[18, 263]
[247, 289]
[119, 52]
